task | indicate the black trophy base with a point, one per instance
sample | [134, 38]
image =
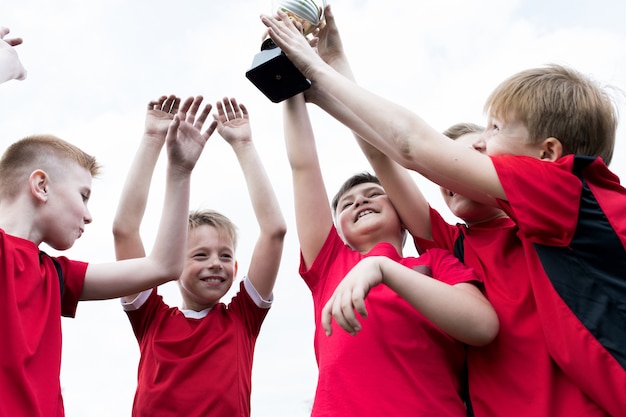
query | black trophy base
[275, 75]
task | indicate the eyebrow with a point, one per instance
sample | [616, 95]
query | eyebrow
[349, 193]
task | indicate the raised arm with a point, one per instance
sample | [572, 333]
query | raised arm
[391, 128]
[10, 66]
[313, 214]
[185, 142]
[460, 310]
[132, 204]
[402, 190]
[233, 124]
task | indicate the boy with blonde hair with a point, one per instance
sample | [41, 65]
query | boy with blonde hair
[45, 185]
[542, 159]
[197, 360]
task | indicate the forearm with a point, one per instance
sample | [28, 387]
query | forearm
[133, 200]
[313, 215]
[464, 315]
[262, 196]
[134, 197]
[171, 239]
[387, 126]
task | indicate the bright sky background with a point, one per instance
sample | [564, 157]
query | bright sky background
[94, 65]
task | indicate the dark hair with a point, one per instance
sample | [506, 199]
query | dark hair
[350, 183]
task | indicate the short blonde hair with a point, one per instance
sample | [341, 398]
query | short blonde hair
[215, 219]
[45, 152]
[556, 101]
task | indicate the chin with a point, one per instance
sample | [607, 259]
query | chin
[61, 246]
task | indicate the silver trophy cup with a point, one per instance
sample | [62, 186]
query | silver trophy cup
[271, 72]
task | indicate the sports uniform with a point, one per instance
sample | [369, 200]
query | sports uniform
[196, 364]
[30, 318]
[400, 363]
[572, 220]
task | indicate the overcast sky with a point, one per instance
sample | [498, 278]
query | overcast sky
[94, 65]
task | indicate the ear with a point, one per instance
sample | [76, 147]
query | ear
[236, 268]
[39, 182]
[551, 149]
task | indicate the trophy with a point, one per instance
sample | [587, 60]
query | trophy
[271, 71]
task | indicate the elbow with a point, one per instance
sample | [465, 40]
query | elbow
[166, 267]
[280, 231]
[122, 231]
[277, 231]
[486, 330]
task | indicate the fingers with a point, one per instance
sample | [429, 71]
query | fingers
[14, 41]
[229, 109]
[207, 134]
[343, 306]
[203, 116]
[167, 104]
[172, 129]
[327, 317]
[193, 109]
[170, 104]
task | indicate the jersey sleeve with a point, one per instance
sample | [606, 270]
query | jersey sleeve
[244, 306]
[141, 318]
[542, 197]
[73, 282]
[447, 268]
[444, 235]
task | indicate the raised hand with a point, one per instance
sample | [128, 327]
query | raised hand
[159, 116]
[328, 44]
[233, 122]
[10, 66]
[185, 139]
[288, 37]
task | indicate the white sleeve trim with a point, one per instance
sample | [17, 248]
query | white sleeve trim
[139, 300]
[254, 294]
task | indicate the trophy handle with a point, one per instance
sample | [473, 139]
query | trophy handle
[268, 44]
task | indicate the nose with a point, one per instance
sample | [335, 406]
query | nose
[360, 199]
[480, 143]
[214, 263]
[87, 218]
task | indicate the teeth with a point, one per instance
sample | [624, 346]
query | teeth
[364, 213]
[212, 279]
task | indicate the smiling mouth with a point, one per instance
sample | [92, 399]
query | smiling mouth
[363, 214]
[213, 280]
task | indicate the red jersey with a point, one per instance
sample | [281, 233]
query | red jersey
[513, 376]
[195, 367]
[30, 325]
[399, 364]
[573, 228]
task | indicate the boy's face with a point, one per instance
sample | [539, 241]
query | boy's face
[65, 214]
[209, 269]
[366, 216]
[470, 211]
[507, 138]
